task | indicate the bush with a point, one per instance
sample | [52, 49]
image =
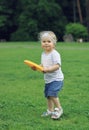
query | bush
[26, 32]
[77, 30]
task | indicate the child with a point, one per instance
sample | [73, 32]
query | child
[53, 76]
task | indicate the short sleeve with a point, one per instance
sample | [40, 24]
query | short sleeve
[56, 58]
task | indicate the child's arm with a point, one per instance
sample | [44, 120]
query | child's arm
[51, 69]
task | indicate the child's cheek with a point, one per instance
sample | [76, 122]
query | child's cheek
[42, 46]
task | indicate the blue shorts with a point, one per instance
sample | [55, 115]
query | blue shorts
[52, 89]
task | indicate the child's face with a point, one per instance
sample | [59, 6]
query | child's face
[47, 44]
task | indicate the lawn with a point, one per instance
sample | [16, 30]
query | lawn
[21, 89]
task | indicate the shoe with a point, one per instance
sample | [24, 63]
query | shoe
[47, 113]
[57, 113]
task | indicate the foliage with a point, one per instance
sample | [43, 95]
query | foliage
[38, 16]
[77, 30]
[9, 12]
[27, 17]
[70, 9]
[26, 32]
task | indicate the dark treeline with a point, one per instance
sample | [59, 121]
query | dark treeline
[21, 20]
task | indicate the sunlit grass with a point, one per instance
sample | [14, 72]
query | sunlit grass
[21, 89]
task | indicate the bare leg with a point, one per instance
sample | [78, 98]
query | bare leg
[58, 110]
[50, 104]
[56, 101]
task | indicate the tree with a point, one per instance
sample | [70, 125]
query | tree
[27, 17]
[87, 16]
[27, 27]
[39, 16]
[50, 17]
[80, 12]
[74, 10]
[9, 12]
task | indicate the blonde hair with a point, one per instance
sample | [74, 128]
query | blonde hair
[48, 34]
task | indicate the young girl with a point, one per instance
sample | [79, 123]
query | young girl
[53, 76]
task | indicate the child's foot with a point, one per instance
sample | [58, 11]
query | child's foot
[47, 113]
[57, 113]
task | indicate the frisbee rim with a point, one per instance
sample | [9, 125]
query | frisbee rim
[33, 64]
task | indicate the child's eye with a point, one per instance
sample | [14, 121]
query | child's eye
[44, 41]
[49, 41]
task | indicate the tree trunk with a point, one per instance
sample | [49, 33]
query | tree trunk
[87, 16]
[79, 10]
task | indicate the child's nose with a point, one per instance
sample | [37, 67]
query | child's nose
[46, 42]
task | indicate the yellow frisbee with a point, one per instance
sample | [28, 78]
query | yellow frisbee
[32, 64]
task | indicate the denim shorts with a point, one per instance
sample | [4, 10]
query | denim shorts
[52, 89]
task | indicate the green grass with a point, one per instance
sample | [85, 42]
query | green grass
[21, 89]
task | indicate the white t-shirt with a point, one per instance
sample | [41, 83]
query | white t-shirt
[48, 60]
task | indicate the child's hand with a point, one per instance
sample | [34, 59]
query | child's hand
[33, 68]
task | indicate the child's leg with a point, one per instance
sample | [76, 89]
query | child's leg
[50, 104]
[58, 111]
[56, 101]
[50, 109]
